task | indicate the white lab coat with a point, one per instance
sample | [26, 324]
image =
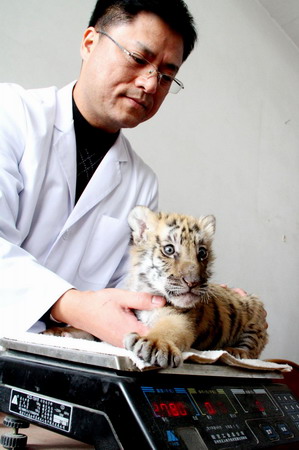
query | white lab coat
[47, 245]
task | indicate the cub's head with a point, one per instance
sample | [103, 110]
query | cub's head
[171, 255]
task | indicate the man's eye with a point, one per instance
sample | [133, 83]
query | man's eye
[138, 59]
[166, 79]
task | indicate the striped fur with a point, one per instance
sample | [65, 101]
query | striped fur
[171, 256]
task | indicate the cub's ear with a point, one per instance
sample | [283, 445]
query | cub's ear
[141, 220]
[208, 224]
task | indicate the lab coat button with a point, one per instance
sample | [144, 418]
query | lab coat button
[65, 235]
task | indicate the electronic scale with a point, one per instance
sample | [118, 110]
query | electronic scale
[104, 401]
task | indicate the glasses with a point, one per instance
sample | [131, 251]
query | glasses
[137, 61]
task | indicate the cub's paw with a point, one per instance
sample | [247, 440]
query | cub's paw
[153, 351]
[239, 353]
[69, 332]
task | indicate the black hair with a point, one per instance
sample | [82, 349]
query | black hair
[173, 12]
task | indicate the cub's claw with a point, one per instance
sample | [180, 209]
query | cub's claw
[154, 352]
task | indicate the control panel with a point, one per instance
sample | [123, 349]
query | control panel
[197, 416]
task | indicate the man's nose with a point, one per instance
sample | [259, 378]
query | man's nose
[148, 82]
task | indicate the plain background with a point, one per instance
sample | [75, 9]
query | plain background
[226, 145]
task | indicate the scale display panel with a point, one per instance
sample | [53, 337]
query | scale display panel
[213, 402]
[170, 402]
[255, 401]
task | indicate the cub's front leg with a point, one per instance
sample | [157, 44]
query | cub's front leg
[164, 344]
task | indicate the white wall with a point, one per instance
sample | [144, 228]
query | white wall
[228, 144]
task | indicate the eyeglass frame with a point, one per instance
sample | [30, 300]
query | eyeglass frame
[178, 84]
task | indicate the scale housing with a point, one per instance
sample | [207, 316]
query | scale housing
[104, 401]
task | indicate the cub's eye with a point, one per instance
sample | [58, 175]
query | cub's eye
[202, 253]
[168, 250]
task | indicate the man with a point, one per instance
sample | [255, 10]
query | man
[68, 176]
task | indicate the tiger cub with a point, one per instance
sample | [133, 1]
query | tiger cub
[171, 256]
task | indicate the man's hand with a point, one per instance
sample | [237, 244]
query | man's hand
[106, 314]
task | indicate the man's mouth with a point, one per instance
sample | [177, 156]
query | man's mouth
[138, 101]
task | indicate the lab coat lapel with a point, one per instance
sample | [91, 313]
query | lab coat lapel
[106, 178]
[65, 148]
[64, 141]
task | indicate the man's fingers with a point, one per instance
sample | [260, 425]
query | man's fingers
[237, 290]
[142, 300]
[240, 291]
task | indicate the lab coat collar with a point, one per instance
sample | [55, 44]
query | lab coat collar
[64, 121]
[64, 142]
[107, 176]
[64, 112]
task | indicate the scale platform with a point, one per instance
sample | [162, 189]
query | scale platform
[105, 401]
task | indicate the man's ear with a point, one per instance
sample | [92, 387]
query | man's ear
[89, 40]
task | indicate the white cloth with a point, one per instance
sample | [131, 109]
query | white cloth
[201, 357]
[47, 245]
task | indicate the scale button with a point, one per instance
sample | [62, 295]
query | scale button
[290, 407]
[294, 416]
[269, 431]
[284, 430]
[171, 436]
[285, 398]
[191, 438]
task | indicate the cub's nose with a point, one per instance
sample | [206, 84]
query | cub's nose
[191, 281]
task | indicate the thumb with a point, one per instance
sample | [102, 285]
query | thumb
[142, 300]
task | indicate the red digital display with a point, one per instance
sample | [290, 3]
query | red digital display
[170, 409]
[259, 406]
[213, 402]
[170, 402]
[254, 400]
[210, 408]
[217, 407]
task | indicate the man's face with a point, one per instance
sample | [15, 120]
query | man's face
[113, 94]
